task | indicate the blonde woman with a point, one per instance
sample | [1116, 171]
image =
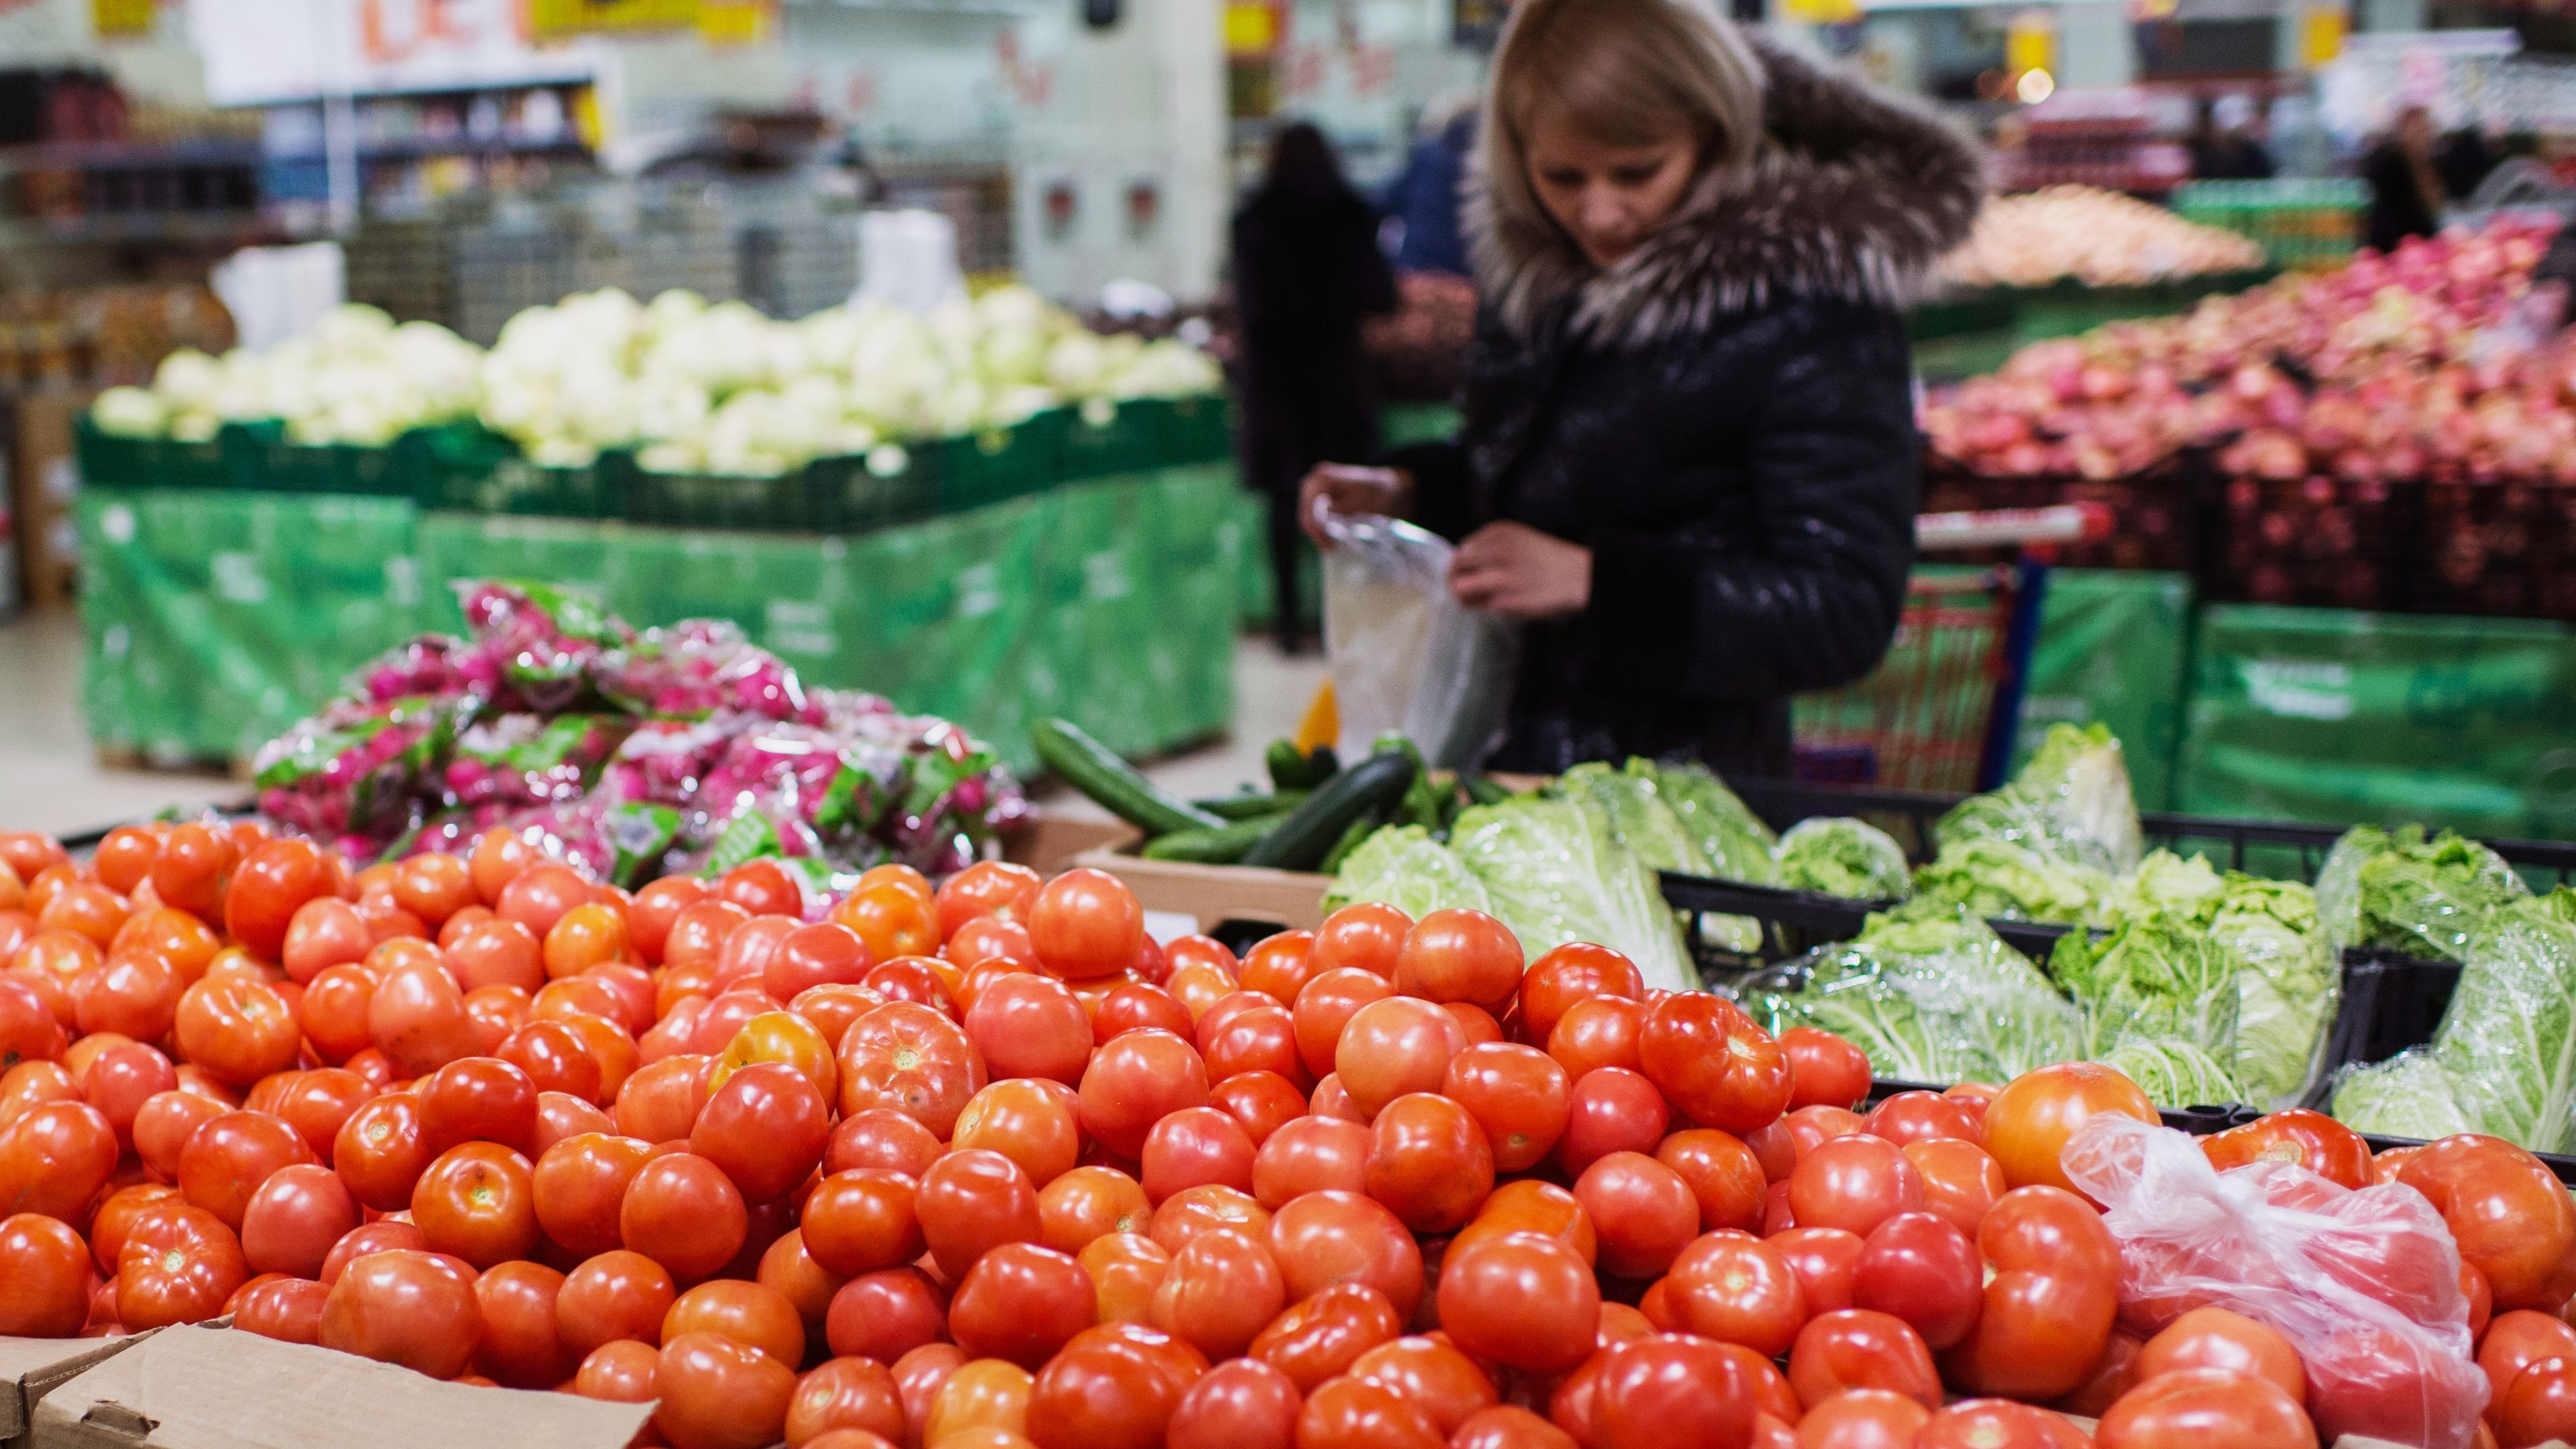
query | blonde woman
[1689, 461]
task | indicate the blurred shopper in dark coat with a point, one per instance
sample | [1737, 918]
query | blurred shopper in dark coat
[1306, 271]
[1427, 195]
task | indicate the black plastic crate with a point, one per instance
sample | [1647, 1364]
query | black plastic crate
[2198, 1121]
[468, 468]
[861, 491]
[788, 502]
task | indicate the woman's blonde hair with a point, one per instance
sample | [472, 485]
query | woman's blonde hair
[1624, 72]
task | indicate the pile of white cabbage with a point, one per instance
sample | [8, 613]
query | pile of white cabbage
[692, 386]
[357, 378]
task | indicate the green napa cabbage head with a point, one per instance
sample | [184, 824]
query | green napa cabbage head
[2176, 1073]
[1402, 866]
[1556, 874]
[1841, 856]
[2408, 1095]
[1729, 837]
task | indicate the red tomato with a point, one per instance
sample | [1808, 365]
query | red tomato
[1569, 974]
[1643, 1211]
[2052, 1290]
[1192, 1211]
[970, 1203]
[1722, 1174]
[1737, 1290]
[1350, 1413]
[1854, 1183]
[682, 1211]
[1195, 1147]
[1824, 1069]
[1089, 1203]
[1242, 1404]
[1859, 1349]
[1262, 1102]
[765, 1128]
[715, 1393]
[612, 1296]
[1431, 1375]
[1127, 1271]
[2213, 1338]
[519, 1345]
[1021, 1302]
[1906, 1118]
[1428, 1162]
[237, 1028]
[2028, 1123]
[1220, 1290]
[912, 1059]
[1459, 955]
[1668, 1389]
[1918, 1268]
[1522, 1300]
[286, 1309]
[478, 1202]
[416, 1017]
[1323, 1238]
[863, 1220]
[1508, 1426]
[1960, 1182]
[1610, 1109]
[1392, 1047]
[1863, 1419]
[1030, 1026]
[227, 1158]
[477, 1099]
[2205, 1409]
[1716, 1067]
[881, 1138]
[44, 1278]
[55, 1157]
[271, 883]
[410, 1308]
[2513, 1220]
[1310, 1154]
[2538, 1407]
[1597, 1032]
[177, 1265]
[846, 1393]
[1134, 1082]
[747, 1313]
[382, 1235]
[987, 888]
[1320, 1337]
[379, 1152]
[619, 1373]
[1366, 936]
[2313, 1140]
[294, 1218]
[1085, 923]
[1999, 1424]
[1519, 1095]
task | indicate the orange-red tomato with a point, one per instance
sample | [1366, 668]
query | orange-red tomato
[2052, 1290]
[912, 1059]
[684, 1213]
[2313, 1140]
[1656, 1389]
[2513, 1221]
[54, 1159]
[718, 1394]
[1459, 955]
[1321, 1336]
[294, 1219]
[286, 1309]
[1218, 1291]
[1520, 1299]
[862, 1220]
[410, 1308]
[747, 1313]
[1021, 1302]
[1998, 1424]
[2214, 1338]
[2205, 1409]
[1428, 1162]
[2027, 1124]
[1393, 1047]
[1134, 1082]
[271, 884]
[985, 889]
[477, 1201]
[178, 1264]
[1030, 1026]
[612, 1296]
[239, 1029]
[972, 1202]
[1112, 1387]
[1086, 923]
[887, 1314]
[1240, 1404]
[1323, 1238]
[765, 1128]
[844, 1394]
[44, 1278]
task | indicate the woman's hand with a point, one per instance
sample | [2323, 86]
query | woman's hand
[1516, 571]
[1348, 488]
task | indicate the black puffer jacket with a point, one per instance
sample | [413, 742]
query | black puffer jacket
[1725, 419]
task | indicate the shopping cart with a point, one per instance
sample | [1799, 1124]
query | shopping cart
[1940, 712]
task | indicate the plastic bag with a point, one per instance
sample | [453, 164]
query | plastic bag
[1406, 655]
[2366, 1284]
[2508, 1039]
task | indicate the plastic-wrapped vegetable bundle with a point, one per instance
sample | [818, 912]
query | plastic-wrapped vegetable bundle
[1402, 866]
[2287, 991]
[1630, 807]
[1841, 856]
[699, 667]
[1931, 994]
[354, 774]
[2007, 880]
[518, 760]
[2175, 1073]
[542, 642]
[2508, 1040]
[2071, 803]
[1728, 836]
[432, 666]
[2366, 1284]
[2402, 892]
[2407, 1095]
[2150, 981]
[1555, 874]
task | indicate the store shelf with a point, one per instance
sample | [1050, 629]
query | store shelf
[207, 228]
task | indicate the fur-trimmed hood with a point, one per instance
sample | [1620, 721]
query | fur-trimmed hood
[1853, 194]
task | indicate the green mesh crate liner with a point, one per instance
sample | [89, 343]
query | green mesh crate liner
[110, 461]
[469, 468]
[790, 501]
[2112, 648]
[273, 463]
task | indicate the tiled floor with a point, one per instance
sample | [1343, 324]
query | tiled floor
[50, 780]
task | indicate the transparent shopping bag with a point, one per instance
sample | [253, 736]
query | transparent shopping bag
[1405, 654]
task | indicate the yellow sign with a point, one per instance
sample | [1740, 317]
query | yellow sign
[1251, 27]
[121, 17]
[586, 17]
[2030, 42]
[2321, 33]
[1824, 12]
[732, 22]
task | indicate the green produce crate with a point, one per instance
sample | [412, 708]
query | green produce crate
[2112, 649]
[2067, 308]
[2335, 715]
[996, 465]
[1984, 310]
[110, 461]
[790, 502]
[1102, 437]
[889, 485]
[272, 463]
[1188, 429]
[466, 467]
[2302, 222]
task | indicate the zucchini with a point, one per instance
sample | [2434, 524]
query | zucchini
[1292, 770]
[1312, 829]
[1482, 791]
[1360, 829]
[1088, 766]
[1222, 846]
[1249, 807]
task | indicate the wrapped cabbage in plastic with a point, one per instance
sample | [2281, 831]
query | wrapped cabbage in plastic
[1930, 994]
[2185, 891]
[1732, 839]
[1841, 856]
[2150, 981]
[525, 759]
[542, 642]
[2399, 891]
[2508, 1040]
[2365, 1284]
[2175, 1073]
[2006, 880]
[698, 667]
[1555, 875]
[1634, 809]
[2071, 802]
[2290, 983]
[1402, 866]
[354, 773]
[2407, 1095]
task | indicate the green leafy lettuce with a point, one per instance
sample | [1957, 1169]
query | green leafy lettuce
[2150, 980]
[2005, 880]
[1637, 815]
[2408, 1095]
[2071, 802]
[2400, 891]
[1842, 857]
[1729, 837]
[2508, 1041]
[1402, 866]
[2290, 983]
[2176, 1073]
[1556, 873]
[2166, 885]
[1931, 994]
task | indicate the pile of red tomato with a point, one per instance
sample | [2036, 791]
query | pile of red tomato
[981, 1166]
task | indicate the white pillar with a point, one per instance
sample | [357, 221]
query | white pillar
[2095, 47]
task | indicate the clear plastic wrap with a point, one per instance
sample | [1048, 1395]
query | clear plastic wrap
[542, 642]
[2071, 802]
[1555, 874]
[2408, 1095]
[1402, 866]
[2508, 1039]
[2011, 880]
[2150, 981]
[1841, 856]
[2366, 1284]
[1406, 655]
[355, 773]
[1733, 840]
[1930, 995]
[699, 667]
[2288, 991]
[2401, 891]
[2176, 1073]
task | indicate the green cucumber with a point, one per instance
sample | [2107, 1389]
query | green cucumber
[1291, 770]
[1222, 846]
[1251, 807]
[1360, 829]
[1090, 767]
[1482, 791]
[1309, 833]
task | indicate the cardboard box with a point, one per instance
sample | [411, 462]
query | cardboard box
[206, 1388]
[44, 480]
[1052, 836]
[1210, 894]
[30, 1368]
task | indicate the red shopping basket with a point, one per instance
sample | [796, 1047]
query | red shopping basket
[1940, 712]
